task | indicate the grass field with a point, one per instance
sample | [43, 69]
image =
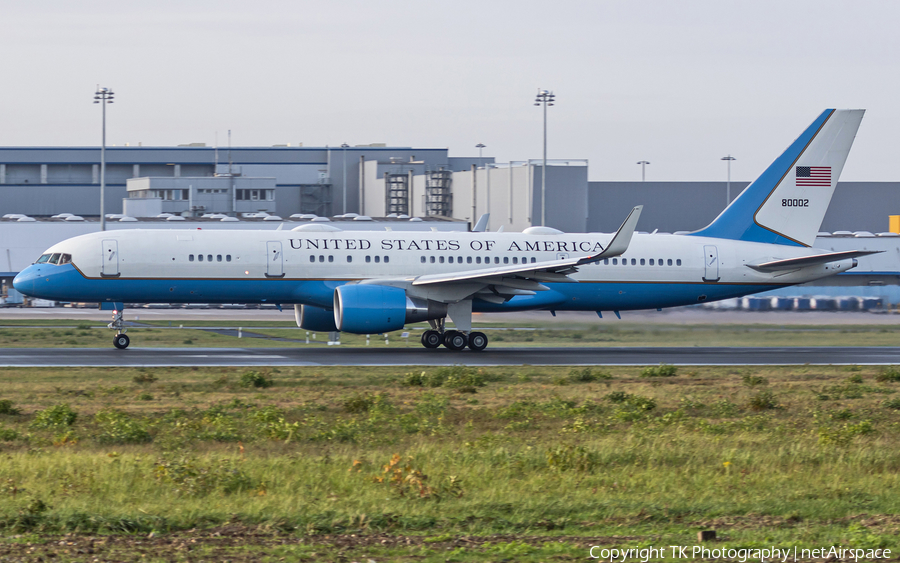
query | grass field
[516, 464]
[65, 334]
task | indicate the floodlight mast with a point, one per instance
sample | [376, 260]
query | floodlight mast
[728, 159]
[103, 96]
[544, 98]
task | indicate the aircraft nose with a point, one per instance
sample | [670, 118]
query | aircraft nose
[24, 281]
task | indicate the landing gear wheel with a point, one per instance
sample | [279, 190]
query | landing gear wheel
[121, 341]
[431, 339]
[478, 341]
[455, 340]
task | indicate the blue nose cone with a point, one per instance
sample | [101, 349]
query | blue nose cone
[24, 282]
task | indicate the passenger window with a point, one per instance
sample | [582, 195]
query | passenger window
[468, 259]
[478, 259]
[496, 259]
[515, 260]
[678, 262]
[200, 257]
[450, 259]
[533, 259]
[642, 261]
[606, 261]
[190, 257]
[633, 262]
[218, 257]
[349, 258]
[331, 258]
[670, 262]
[368, 259]
[441, 259]
[321, 258]
[228, 257]
[432, 259]
[54, 259]
[209, 257]
[387, 259]
[615, 261]
[660, 261]
[312, 258]
[423, 259]
[377, 259]
[506, 259]
[651, 261]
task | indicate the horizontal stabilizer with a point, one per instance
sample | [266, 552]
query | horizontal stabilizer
[803, 261]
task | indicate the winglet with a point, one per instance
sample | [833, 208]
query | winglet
[620, 241]
[481, 225]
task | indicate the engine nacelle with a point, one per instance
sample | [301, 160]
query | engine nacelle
[314, 318]
[373, 309]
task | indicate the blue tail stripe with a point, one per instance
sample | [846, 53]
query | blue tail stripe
[737, 221]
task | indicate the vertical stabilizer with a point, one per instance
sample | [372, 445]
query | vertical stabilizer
[787, 203]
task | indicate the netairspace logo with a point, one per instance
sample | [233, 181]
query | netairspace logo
[740, 555]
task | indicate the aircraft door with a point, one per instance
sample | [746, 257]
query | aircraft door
[711, 263]
[110, 259]
[274, 260]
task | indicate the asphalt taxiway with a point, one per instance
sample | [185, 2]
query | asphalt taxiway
[347, 356]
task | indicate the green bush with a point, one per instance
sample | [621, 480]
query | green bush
[432, 405]
[6, 407]
[763, 400]
[754, 380]
[8, 435]
[892, 404]
[189, 477]
[572, 458]
[586, 375]
[358, 402]
[57, 416]
[116, 427]
[254, 379]
[889, 374]
[664, 370]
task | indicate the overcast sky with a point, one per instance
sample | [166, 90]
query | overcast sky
[680, 84]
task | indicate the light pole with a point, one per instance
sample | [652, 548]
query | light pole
[480, 147]
[728, 159]
[103, 96]
[544, 98]
[344, 175]
[643, 164]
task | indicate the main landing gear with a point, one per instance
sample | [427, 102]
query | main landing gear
[121, 340]
[453, 339]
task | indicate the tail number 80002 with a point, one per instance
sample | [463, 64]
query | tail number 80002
[795, 203]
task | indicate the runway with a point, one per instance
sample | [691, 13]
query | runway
[345, 356]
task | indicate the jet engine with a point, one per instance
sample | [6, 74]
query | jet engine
[373, 309]
[314, 318]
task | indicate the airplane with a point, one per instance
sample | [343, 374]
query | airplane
[376, 282]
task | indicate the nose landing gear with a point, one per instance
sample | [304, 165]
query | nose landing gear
[121, 340]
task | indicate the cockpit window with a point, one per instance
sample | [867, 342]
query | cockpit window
[65, 259]
[54, 259]
[43, 259]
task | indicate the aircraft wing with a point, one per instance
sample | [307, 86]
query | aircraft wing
[793, 263]
[549, 270]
